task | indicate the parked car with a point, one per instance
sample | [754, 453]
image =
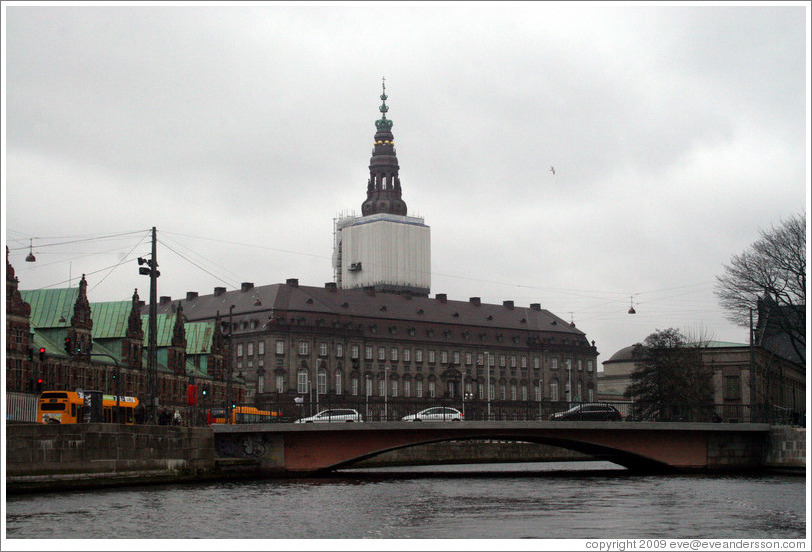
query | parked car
[589, 411]
[435, 414]
[333, 415]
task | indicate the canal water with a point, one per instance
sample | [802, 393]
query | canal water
[573, 500]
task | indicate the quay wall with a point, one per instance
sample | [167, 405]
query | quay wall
[55, 456]
[786, 449]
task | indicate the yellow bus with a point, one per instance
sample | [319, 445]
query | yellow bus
[242, 415]
[68, 407]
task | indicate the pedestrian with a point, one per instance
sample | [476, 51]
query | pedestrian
[178, 419]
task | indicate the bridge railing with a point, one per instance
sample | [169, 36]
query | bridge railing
[379, 409]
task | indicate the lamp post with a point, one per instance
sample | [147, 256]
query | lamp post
[386, 392]
[488, 367]
[569, 383]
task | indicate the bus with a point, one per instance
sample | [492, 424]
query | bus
[76, 407]
[242, 415]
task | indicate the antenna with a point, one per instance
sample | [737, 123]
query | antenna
[631, 307]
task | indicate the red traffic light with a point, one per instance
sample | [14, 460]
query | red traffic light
[42, 350]
[39, 380]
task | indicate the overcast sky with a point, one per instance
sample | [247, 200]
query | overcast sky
[676, 133]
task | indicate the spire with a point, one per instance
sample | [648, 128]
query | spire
[383, 188]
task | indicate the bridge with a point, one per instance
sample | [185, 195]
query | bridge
[649, 447]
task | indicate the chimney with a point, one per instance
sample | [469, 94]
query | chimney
[218, 291]
[332, 287]
[191, 295]
[142, 304]
[508, 304]
[164, 300]
[292, 282]
[246, 286]
[535, 306]
[441, 297]
[475, 301]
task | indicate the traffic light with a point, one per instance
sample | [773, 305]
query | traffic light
[204, 391]
[42, 354]
[40, 385]
[30, 353]
[68, 345]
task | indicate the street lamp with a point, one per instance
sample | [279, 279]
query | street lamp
[488, 367]
[569, 384]
[386, 392]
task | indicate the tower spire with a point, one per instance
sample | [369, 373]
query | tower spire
[383, 188]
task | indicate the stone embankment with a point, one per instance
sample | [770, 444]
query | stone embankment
[786, 449]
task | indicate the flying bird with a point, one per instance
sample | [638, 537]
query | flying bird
[552, 170]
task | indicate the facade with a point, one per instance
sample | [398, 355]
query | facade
[323, 344]
[112, 338]
[741, 376]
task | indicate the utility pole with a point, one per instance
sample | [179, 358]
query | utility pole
[151, 270]
[228, 363]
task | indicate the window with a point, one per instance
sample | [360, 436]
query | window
[355, 351]
[591, 394]
[501, 361]
[407, 356]
[239, 349]
[260, 383]
[418, 355]
[418, 389]
[553, 364]
[580, 391]
[456, 357]
[524, 392]
[407, 388]
[354, 386]
[322, 349]
[553, 390]
[536, 363]
[513, 361]
[368, 352]
[431, 356]
[469, 390]
[304, 347]
[732, 387]
[481, 387]
[369, 386]
[513, 394]
[381, 353]
[502, 392]
[443, 357]
[394, 386]
[381, 388]
[468, 359]
[480, 359]
[302, 385]
[261, 348]
[339, 383]
[524, 361]
[339, 350]
[432, 389]
[580, 365]
[588, 365]
[321, 382]
[393, 353]
[280, 383]
[280, 347]
[537, 389]
[568, 364]
[250, 349]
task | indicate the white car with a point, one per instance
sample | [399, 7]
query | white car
[435, 414]
[334, 415]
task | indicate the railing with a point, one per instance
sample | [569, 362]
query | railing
[378, 409]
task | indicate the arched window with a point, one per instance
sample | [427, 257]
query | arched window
[339, 383]
[554, 390]
[321, 382]
[302, 382]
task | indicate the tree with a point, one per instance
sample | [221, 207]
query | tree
[771, 272]
[670, 381]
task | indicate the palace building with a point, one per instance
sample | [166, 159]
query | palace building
[376, 331]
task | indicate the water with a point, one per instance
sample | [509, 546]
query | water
[499, 501]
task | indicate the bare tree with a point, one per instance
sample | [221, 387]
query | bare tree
[771, 272]
[670, 382]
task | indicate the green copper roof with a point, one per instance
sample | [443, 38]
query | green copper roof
[50, 308]
[198, 337]
[110, 319]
